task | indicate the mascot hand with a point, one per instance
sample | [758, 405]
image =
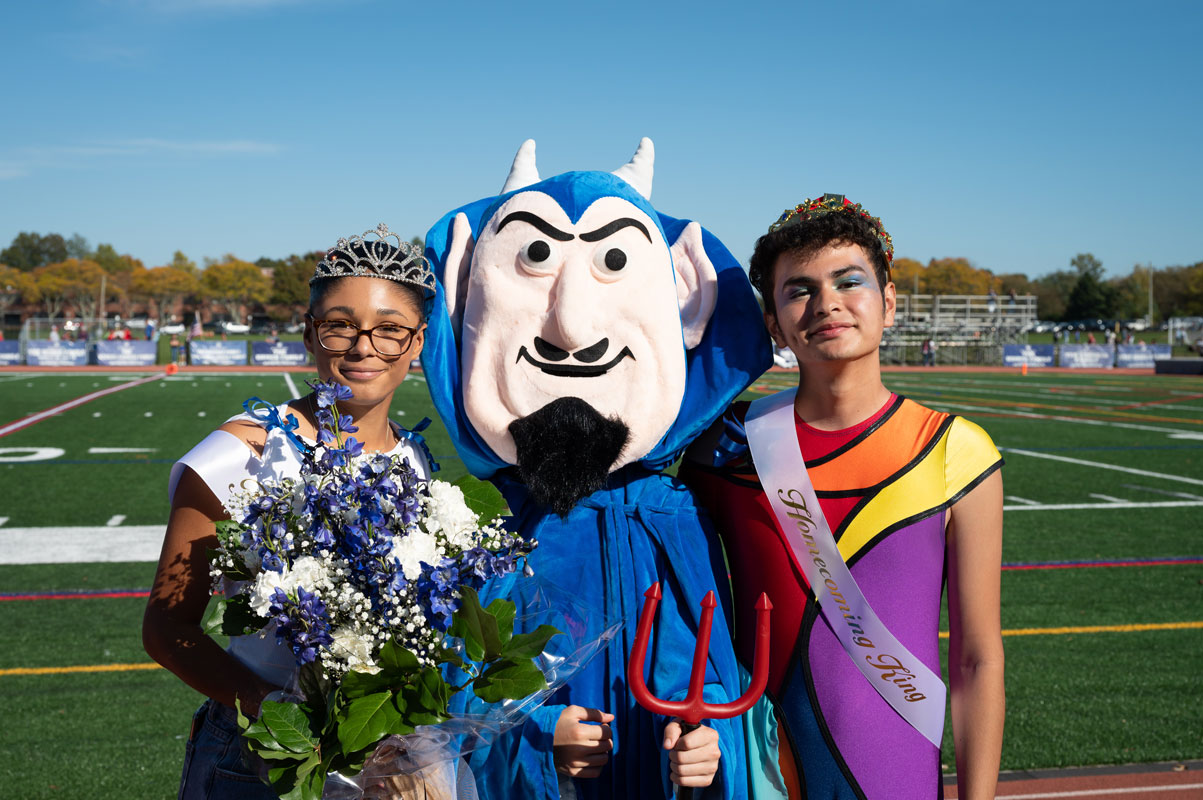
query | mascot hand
[582, 744]
[692, 758]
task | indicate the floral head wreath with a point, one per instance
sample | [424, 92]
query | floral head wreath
[835, 204]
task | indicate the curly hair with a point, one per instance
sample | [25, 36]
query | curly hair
[806, 238]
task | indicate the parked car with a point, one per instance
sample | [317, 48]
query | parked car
[233, 327]
[172, 329]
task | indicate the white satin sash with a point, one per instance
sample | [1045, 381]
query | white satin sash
[905, 682]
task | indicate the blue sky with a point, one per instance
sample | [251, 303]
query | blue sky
[1013, 134]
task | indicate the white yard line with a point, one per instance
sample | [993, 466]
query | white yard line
[1106, 506]
[80, 545]
[1034, 392]
[1022, 500]
[12, 427]
[115, 520]
[1186, 495]
[3, 520]
[292, 386]
[937, 404]
[1108, 498]
[1100, 465]
[111, 450]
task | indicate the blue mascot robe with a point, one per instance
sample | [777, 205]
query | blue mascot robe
[643, 527]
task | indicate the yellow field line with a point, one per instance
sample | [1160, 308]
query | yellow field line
[83, 668]
[1154, 626]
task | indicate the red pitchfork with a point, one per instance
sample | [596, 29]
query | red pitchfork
[693, 709]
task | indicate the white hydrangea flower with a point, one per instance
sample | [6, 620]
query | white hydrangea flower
[449, 514]
[264, 587]
[354, 649]
[309, 572]
[411, 550]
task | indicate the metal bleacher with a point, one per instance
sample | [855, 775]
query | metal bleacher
[967, 329]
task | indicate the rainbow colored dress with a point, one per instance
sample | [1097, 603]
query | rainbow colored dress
[885, 487]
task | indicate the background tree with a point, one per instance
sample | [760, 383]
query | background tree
[908, 276]
[84, 291]
[15, 286]
[235, 283]
[69, 281]
[31, 250]
[78, 247]
[1131, 293]
[182, 262]
[1178, 291]
[955, 276]
[165, 286]
[290, 277]
[1052, 293]
[1084, 263]
[1090, 298]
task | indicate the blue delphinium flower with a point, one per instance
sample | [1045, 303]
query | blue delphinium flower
[302, 623]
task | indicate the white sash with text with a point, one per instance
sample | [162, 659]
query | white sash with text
[905, 682]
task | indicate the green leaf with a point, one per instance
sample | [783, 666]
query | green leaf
[366, 721]
[504, 611]
[396, 660]
[477, 627]
[211, 622]
[238, 619]
[424, 702]
[300, 781]
[361, 684]
[290, 724]
[483, 498]
[508, 680]
[448, 656]
[529, 645]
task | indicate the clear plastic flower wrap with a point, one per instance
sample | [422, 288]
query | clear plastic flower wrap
[369, 575]
[429, 762]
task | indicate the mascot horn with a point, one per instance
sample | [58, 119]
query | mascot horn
[580, 340]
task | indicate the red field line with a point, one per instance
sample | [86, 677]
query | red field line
[1152, 562]
[84, 595]
[1159, 402]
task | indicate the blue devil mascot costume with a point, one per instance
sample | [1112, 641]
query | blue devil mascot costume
[580, 340]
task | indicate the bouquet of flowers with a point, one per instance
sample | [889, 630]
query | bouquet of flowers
[369, 574]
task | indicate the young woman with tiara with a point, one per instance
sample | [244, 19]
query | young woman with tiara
[366, 321]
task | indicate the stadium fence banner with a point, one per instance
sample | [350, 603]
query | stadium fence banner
[1034, 355]
[10, 353]
[1140, 355]
[49, 353]
[218, 354]
[1084, 356]
[121, 353]
[280, 354]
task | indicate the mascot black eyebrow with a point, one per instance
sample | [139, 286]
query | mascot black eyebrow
[580, 340]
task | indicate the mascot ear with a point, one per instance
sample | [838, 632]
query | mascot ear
[457, 269]
[697, 284]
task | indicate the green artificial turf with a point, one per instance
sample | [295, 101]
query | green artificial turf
[1078, 698]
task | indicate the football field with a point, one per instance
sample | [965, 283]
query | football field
[1102, 585]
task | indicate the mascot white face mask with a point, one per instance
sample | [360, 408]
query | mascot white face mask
[573, 297]
[599, 308]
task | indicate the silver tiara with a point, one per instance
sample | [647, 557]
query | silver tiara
[394, 260]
